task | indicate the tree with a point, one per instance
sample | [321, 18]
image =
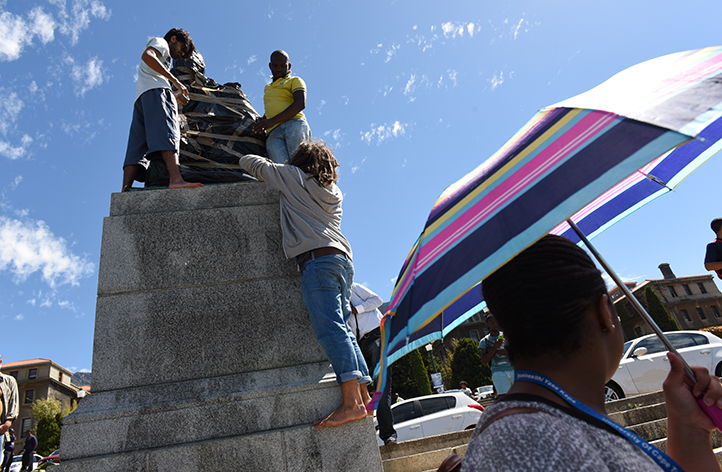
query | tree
[658, 312]
[466, 365]
[409, 377]
[48, 417]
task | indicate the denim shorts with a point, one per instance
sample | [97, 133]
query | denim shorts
[154, 128]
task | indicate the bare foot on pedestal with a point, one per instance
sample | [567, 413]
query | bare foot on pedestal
[185, 184]
[342, 415]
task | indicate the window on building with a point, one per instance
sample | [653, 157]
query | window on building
[32, 373]
[638, 331]
[60, 377]
[701, 288]
[687, 290]
[14, 373]
[29, 396]
[685, 315]
[25, 428]
[715, 310]
[700, 312]
[474, 335]
[672, 291]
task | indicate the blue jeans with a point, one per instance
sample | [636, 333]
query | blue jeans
[326, 286]
[282, 142]
[503, 380]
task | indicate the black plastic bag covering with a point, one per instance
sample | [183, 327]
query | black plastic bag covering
[215, 127]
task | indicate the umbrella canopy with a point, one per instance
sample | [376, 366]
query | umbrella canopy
[598, 156]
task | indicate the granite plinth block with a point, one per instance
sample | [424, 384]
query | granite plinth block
[204, 357]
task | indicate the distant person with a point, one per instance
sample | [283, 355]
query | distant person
[155, 127]
[565, 342]
[284, 100]
[10, 405]
[713, 257]
[8, 450]
[311, 232]
[493, 353]
[397, 398]
[465, 388]
[365, 324]
[31, 442]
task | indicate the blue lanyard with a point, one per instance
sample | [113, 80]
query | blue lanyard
[662, 459]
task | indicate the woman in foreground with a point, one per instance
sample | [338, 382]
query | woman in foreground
[561, 328]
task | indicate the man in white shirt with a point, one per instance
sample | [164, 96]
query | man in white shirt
[154, 128]
[365, 323]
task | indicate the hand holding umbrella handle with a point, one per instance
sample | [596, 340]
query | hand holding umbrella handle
[712, 412]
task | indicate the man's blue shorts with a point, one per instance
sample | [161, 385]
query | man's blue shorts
[154, 128]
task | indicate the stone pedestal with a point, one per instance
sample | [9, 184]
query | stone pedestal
[204, 358]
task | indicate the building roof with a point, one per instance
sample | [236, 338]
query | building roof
[25, 363]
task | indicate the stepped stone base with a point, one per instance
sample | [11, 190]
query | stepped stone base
[204, 357]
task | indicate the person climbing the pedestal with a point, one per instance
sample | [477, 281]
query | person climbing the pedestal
[311, 228]
[284, 100]
[154, 128]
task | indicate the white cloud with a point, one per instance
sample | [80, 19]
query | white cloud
[19, 318]
[10, 107]
[72, 23]
[409, 89]
[17, 32]
[27, 247]
[392, 51]
[12, 152]
[16, 182]
[451, 29]
[42, 25]
[517, 28]
[358, 166]
[335, 136]
[320, 106]
[14, 35]
[497, 79]
[86, 76]
[251, 59]
[344, 99]
[381, 133]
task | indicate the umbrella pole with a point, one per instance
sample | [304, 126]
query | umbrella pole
[631, 298]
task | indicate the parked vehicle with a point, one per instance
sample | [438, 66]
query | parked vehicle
[482, 393]
[52, 457]
[644, 365]
[17, 462]
[430, 415]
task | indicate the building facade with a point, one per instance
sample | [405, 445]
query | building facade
[694, 301]
[38, 379]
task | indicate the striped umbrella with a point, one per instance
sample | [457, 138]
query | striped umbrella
[596, 158]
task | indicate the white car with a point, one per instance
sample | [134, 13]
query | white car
[17, 462]
[430, 415]
[644, 365]
[482, 393]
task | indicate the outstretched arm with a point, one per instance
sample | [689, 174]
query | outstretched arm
[299, 103]
[688, 427]
[150, 57]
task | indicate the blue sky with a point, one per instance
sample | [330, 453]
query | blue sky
[411, 94]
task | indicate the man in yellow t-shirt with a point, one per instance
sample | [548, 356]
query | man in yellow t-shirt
[284, 100]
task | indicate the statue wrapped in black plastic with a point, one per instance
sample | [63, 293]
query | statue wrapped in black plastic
[216, 129]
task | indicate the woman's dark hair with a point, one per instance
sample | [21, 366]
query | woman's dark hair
[316, 158]
[184, 37]
[540, 297]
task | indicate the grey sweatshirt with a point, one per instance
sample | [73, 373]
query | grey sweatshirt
[310, 214]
